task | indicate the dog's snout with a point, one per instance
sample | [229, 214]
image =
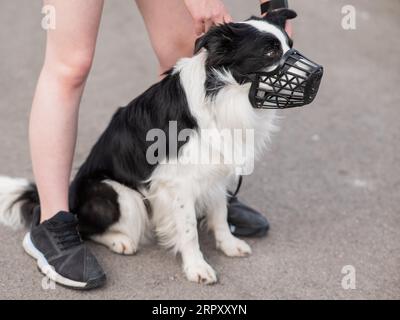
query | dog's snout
[294, 83]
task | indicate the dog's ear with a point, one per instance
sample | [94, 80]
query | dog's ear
[218, 37]
[279, 16]
[200, 43]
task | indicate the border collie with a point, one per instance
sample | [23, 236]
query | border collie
[122, 199]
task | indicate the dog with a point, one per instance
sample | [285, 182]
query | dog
[122, 200]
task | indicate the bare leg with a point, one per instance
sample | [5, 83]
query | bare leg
[53, 123]
[170, 28]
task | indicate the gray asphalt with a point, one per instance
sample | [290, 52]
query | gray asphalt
[330, 183]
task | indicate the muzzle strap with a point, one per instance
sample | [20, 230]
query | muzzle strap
[273, 5]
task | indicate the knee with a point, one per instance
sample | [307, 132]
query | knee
[71, 70]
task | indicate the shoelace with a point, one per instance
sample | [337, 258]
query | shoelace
[66, 234]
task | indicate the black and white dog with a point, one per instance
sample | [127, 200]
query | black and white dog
[122, 198]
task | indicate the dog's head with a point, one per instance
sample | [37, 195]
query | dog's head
[249, 46]
[252, 50]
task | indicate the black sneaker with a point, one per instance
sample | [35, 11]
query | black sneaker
[60, 253]
[243, 220]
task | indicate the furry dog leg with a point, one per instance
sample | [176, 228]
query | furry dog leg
[124, 236]
[217, 220]
[176, 226]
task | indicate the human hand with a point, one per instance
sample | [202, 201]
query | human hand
[207, 13]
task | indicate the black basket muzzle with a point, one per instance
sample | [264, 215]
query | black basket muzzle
[294, 83]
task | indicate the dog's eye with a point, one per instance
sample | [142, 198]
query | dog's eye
[272, 53]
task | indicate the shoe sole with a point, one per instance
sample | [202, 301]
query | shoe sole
[250, 232]
[45, 268]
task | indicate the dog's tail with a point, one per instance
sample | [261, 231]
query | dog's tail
[18, 197]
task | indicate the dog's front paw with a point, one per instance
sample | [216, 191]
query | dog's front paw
[200, 272]
[234, 247]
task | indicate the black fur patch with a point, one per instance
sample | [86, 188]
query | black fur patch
[99, 208]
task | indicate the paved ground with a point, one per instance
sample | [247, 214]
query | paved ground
[330, 184]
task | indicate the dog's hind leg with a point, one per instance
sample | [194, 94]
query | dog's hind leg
[116, 241]
[174, 218]
[127, 228]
